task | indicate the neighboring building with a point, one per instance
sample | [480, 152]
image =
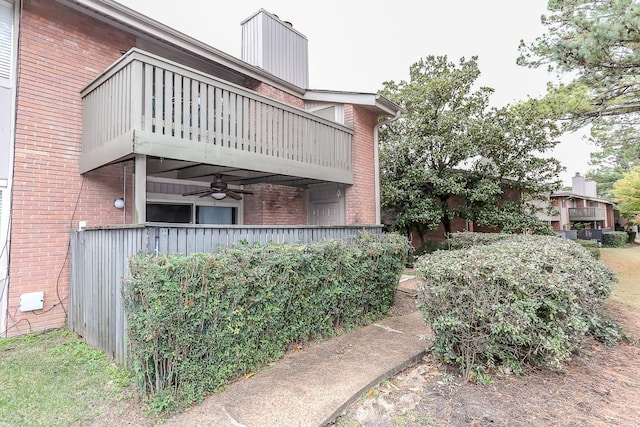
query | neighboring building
[101, 103]
[580, 205]
[459, 224]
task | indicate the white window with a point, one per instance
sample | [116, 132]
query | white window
[189, 213]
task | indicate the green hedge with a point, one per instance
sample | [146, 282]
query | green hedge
[614, 239]
[521, 300]
[197, 322]
[466, 239]
[591, 246]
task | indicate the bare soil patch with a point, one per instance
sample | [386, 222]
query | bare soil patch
[600, 386]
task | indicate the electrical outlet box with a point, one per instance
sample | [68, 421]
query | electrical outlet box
[31, 301]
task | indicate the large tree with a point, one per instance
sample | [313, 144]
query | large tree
[599, 41]
[450, 155]
[619, 152]
[626, 192]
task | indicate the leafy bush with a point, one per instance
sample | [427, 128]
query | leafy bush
[429, 247]
[521, 300]
[614, 239]
[591, 246]
[426, 248]
[197, 322]
[465, 240]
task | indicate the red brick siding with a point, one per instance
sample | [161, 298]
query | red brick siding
[275, 205]
[360, 199]
[60, 52]
[437, 235]
[277, 94]
[610, 217]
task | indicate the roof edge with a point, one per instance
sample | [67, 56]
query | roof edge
[379, 103]
[111, 10]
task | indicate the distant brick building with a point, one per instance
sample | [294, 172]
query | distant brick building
[459, 224]
[580, 205]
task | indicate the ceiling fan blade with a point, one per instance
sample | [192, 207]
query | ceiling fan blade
[237, 190]
[193, 193]
[234, 195]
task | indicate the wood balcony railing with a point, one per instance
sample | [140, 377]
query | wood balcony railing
[144, 104]
[587, 214]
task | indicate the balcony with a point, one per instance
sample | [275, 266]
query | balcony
[587, 214]
[144, 104]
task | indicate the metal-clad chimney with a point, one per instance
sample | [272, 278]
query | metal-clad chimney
[275, 46]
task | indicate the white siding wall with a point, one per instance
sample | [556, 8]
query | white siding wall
[8, 31]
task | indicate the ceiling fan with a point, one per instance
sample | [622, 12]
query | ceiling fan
[219, 190]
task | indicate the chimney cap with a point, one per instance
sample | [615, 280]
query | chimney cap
[275, 17]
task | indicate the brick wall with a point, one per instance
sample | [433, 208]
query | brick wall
[277, 94]
[275, 205]
[460, 224]
[60, 52]
[360, 198]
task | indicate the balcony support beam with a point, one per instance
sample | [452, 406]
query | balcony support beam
[140, 189]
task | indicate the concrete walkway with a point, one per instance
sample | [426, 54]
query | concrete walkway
[313, 386]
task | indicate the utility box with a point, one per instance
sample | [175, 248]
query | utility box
[31, 301]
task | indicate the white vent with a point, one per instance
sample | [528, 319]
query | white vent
[275, 46]
[6, 38]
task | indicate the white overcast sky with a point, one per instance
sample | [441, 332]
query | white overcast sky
[355, 45]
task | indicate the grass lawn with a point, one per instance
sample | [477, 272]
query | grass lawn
[56, 379]
[626, 263]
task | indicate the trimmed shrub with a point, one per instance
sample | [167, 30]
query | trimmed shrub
[426, 248]
[591, 246]
[614, 239]
[523, 300]
[465, 240]
[429, 247]
[197, 322]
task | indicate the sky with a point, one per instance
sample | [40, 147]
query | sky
[356, 45]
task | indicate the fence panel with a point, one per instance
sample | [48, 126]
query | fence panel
[99, 263]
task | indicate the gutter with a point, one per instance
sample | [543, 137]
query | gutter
[376, 161]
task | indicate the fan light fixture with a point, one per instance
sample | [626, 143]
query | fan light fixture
[219, 195]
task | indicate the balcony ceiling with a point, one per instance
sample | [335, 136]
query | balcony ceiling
[192, 171]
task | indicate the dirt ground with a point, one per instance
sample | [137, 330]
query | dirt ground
[600, 386]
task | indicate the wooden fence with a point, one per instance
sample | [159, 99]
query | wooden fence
[99, 263]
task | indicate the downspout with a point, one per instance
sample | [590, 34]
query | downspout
[376, 162]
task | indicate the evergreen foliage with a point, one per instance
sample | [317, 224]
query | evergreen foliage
[510, 302]
[198, 322]
[598, 42]
[615, 239]
[450, 155]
